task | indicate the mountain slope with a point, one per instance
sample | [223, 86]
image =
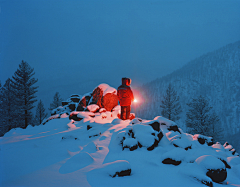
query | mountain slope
[214, 75]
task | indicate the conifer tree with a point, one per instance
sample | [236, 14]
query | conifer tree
[40, 113]
[171, 107]
[201, 119]
[24, 90]
[57, 101]
[7, 112]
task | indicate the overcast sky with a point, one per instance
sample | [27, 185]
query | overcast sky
[78, 44]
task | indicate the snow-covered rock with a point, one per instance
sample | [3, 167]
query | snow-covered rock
[214, 167]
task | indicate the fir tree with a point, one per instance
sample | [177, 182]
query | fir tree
[24, 89]
[201, 119]
[171, 107]
[57, 101]
[8, 115]
[40, 113]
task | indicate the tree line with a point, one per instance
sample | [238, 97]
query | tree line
[17, 99]
[200, 117]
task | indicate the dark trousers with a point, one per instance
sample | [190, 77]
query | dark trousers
[125, 112]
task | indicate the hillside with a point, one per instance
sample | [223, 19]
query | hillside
[214, 75]
[102, 150]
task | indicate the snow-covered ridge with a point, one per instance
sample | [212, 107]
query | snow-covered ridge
[102, 150]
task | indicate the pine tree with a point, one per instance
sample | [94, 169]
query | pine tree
[201, 119]
[57, 101]
[40, 113]
[9, 118]
[171, 107]
[24, 89]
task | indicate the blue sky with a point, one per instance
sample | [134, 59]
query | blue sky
[74, 45]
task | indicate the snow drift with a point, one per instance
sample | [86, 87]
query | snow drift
[102, 150]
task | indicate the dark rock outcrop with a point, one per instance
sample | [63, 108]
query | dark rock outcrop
[171, 161]
[217, 175]
[122, 173]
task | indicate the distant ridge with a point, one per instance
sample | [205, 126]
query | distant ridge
[215, 75]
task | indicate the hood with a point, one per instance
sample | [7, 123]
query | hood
[126, 80]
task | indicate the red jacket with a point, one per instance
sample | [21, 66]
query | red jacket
[124, 93]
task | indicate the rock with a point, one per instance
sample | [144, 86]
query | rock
[101, 110]
[174, 128]
[109, 101]
[84, 101]
[103, 99]
[130, 143]
[136, 121]
[155, 144]
[80, 108]
[217, 175]
[72, 106]
[123, 173]
[155, 125]
[203, 139]
[89, 127]
[93, 108]
[182, 143]
[75, 117]
[75, 98]
[214, 168]
[171, 161]
[118, 168]
[225, 163]
[64, 103]
[97, 97]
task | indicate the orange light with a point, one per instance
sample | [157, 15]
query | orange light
[135, 100]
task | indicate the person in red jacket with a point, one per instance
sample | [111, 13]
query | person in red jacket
[125, 97]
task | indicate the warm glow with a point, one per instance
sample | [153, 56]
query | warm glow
[135, 100]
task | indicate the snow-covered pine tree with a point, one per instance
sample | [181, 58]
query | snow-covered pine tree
[200, 119]
[40, 113]
[9, 118]
[57, 101]
[171, 107]
[24, 92]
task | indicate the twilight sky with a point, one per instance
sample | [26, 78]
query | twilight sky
[74, 45]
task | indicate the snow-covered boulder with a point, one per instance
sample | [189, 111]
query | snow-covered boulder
[93, 108]
[78, 116]
[174, 156]
[84, 102]
[203, 139]
[214, 168]
[105, 97]
[75, 98]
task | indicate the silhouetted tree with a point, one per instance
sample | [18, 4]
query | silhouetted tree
[201, 119]
[24, 91]
[171, 107]
[57, 101]
[40, 113]
[8, 115]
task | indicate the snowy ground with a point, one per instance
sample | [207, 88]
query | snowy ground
[86, 153]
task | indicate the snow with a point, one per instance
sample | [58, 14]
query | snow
[210, 162]
[93, 107]
[107, 89]
[87, 153]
